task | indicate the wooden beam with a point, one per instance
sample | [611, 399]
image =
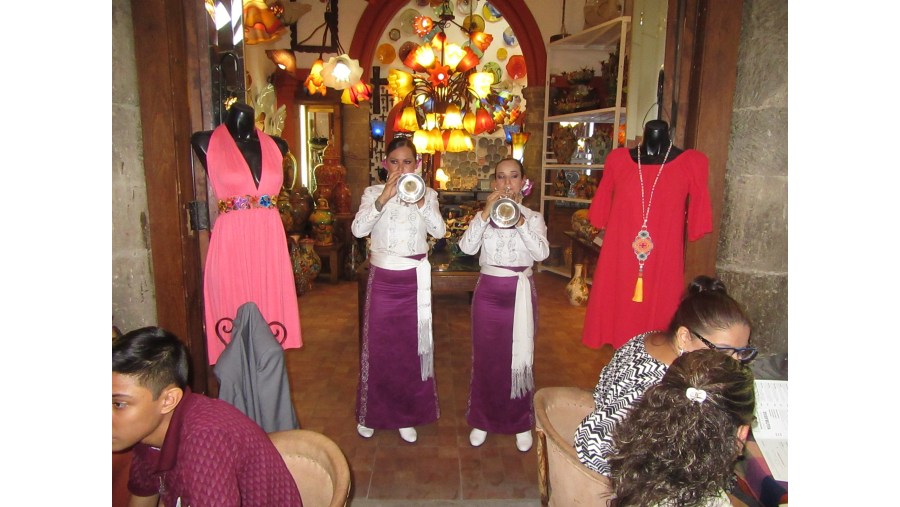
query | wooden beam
[161, 54]
[702, 41]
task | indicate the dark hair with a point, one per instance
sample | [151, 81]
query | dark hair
[676, 450]
[156, 357]
[707, 307]
[517, 161]
[400, 142]
[397, 142]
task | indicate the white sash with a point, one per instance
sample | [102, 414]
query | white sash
[523, 331]
[423, 302]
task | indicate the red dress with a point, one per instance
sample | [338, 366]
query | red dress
[612, 317]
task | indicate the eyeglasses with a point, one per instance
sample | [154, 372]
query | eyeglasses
[744, 354]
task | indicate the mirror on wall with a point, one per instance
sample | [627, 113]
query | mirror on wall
[318, 124]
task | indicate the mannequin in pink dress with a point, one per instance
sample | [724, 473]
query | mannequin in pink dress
[248, 256]
[643, 199]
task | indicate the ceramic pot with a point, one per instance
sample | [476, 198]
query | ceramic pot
[581, 187]
[341, 197]
[581, 225]
[564, 144]
[284, 209]
[328, 174]
[577, 290]
[322, 222]
[301, 206]
[305, 263]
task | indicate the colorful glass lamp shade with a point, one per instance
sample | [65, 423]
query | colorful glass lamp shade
[377, 127]
[341, 72]
[518, 145]
[441, 177]
[284, 59]
[261, 24]
[315, 83]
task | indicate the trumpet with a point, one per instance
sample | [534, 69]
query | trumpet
[410, 187]
[505, 211]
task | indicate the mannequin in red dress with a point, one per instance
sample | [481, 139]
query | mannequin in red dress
[647, 210]
[240, 122]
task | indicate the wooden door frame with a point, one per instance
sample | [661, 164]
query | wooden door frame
[172, 66]
[702, 39]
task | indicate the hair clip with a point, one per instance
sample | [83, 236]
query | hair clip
[526, 187]
[696, 395]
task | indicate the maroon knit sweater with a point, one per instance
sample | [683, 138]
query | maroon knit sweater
[213, 455]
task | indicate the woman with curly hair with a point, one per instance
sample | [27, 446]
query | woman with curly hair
[678, 446]
[706, 318]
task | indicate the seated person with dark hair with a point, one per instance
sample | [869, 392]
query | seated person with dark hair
[189, 449]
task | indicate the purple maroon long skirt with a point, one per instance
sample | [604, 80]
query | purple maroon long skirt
[490, 408]
[391, 393]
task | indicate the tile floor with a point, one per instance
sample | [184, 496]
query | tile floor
[442, 468]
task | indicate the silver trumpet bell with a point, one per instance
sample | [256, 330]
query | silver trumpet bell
[410, 187]
[505, 212]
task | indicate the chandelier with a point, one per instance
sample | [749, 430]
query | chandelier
[340, 72]
[444, 98]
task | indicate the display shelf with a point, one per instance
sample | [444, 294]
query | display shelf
[581, 50]
[606, 115]
[565, 199]
[599, 36]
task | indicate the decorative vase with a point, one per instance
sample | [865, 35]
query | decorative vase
[564, 144]
[581, 225]
[559, 186]
[577, 289]
[284, 209]
[301, 206]
[342, 197]
[322, 221]
[328, 174]
[581, 187]
[305, 263]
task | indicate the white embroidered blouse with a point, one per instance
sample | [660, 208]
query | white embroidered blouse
[513, 246]
[399, 228]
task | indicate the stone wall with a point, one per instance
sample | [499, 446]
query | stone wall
[133, 292]
[753, 243]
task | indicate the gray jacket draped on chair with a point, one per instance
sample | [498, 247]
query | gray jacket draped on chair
[252, 374]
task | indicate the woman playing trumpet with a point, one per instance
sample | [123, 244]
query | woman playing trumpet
[396, 370]
[504, 313]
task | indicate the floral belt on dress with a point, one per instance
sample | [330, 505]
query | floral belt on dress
[246, 202]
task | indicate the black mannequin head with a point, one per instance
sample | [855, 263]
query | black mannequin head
[655, 144]
[240, 120]
[656, 137]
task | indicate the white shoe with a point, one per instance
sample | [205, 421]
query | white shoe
[364, 432]
[408, 434]
[477, 437]
[523, 441]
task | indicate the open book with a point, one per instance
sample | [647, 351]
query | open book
[771, 427]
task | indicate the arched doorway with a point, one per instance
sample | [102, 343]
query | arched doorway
[380, 14]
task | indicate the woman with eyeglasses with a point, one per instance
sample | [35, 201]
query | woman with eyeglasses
[706, 318]
[679, 444]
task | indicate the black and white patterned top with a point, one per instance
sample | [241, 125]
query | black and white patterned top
[622, 383]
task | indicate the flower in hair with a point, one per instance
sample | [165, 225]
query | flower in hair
[526, 187]
[696, 395]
